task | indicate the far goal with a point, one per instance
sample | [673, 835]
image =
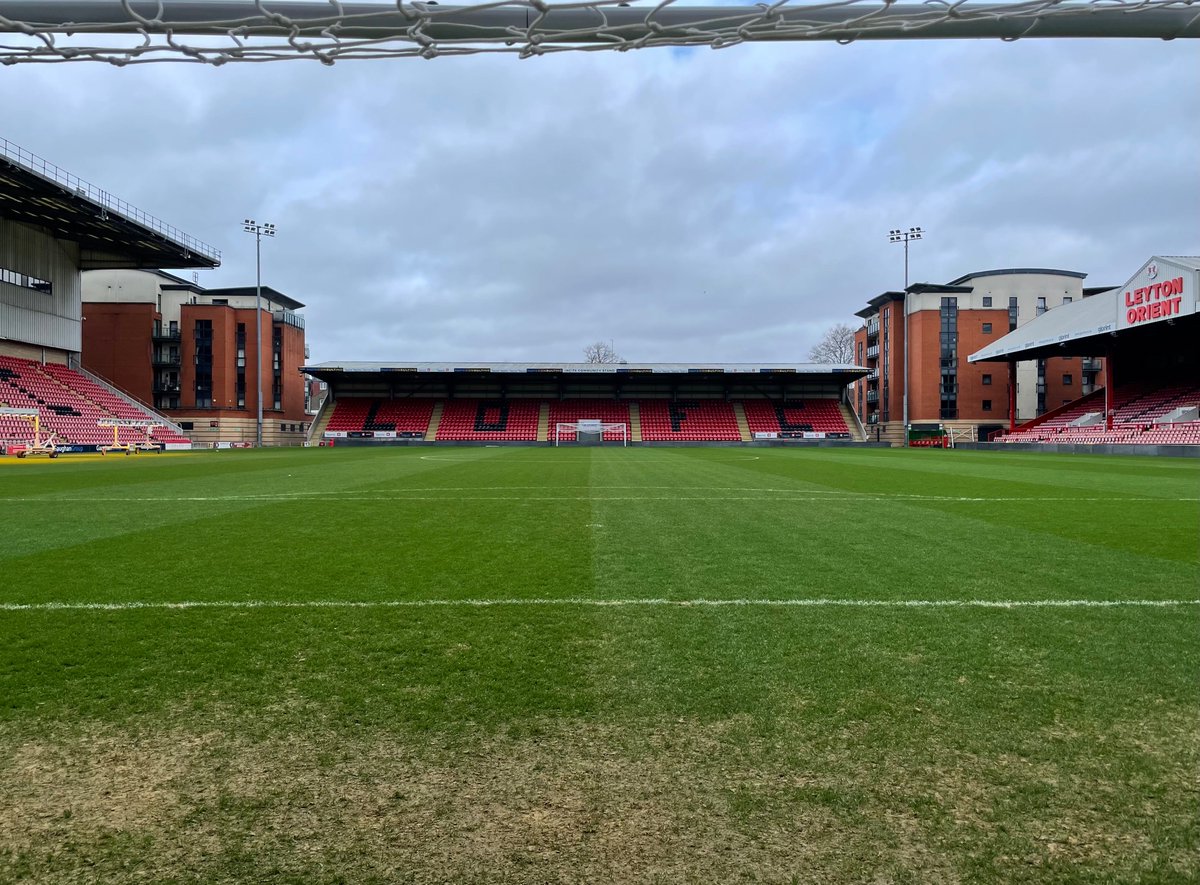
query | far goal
[590, 432]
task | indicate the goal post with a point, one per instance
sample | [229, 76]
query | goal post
[592, 427]
[221, 31]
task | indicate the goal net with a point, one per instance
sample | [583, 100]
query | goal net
[592, 431]
[123, 32]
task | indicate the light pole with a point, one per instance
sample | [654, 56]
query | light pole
[251, 226]
[905, 236]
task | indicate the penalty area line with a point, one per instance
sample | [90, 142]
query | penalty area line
[814, 602]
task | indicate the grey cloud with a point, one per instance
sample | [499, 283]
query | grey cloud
[703, 205]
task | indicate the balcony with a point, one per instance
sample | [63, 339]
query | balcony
[161, 334]
[873, 352]
[165, 360]
[872, 327]
[872, 396]
[288, 318]
[165, 387]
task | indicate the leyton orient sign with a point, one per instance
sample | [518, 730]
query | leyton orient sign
[1160, 291]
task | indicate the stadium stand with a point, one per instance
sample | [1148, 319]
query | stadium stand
[661, 420]
[606, 410]
[792, 416]
[479, 419]
[1140, 416]
[70, 405]
[688, 420]
[407, 417]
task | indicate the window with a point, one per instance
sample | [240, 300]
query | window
[203, 333]
[1041, 305]
[25, 281]
[987, 405]
[948, 327]
[1067, 299]
[987, 380]
[987, 328]
[187, 425]
[1068, 380]
[1012, 313]
[987, 300]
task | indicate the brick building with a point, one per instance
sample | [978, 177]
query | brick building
[938, 326]
[190, 352]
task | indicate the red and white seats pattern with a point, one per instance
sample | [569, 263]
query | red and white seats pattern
[609, 411]
[773, 416]
[69, 405]
[688, 420]
[1134, 411]
[407, 416]
[472, 419]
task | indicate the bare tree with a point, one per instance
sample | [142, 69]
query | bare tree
[601, 352]
[836, 346]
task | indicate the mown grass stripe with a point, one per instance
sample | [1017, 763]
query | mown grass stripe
[450, 495]
[597, 603]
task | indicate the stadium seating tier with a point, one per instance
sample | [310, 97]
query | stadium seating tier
[1135, 410]
[70, 405]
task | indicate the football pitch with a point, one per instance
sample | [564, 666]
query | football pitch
[534, 665]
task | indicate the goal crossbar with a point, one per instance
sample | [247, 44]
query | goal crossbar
[268, 30]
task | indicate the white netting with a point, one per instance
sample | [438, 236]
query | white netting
[569, 431]
[221, 31]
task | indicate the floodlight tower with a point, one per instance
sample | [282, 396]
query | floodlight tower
[905, 236]
[251, 226]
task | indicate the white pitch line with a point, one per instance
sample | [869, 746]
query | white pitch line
[588, 460]
[814, 602]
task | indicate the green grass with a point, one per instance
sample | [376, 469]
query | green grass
[556, 741]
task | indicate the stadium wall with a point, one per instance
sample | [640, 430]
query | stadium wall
[29, 315]
[1088, 449]
[116, 346]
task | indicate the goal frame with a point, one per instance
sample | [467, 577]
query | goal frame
[605, 427]
[273, 30]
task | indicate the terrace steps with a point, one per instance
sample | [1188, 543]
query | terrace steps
[434, 420]
[739, 412]
[635, 422]
[317, 430]
[856, 430]
[543, 430]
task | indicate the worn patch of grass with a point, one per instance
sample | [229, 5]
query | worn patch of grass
[560, 743]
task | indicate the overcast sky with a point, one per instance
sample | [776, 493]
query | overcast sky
[688, 205]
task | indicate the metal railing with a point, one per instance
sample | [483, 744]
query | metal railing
[288, 317]
[129, 397]
[31, 162]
